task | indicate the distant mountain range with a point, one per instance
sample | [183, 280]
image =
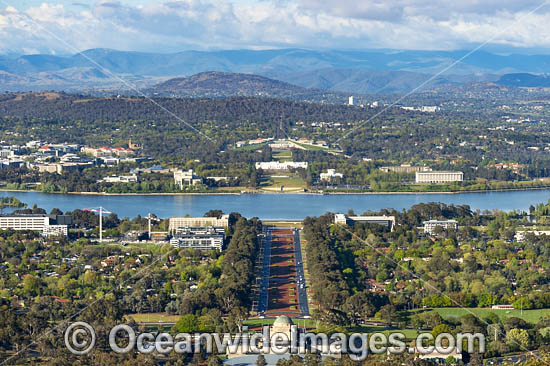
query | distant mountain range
[525, 80]
[372, 71]
[376, 81]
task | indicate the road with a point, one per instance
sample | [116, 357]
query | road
[300, 276]
[263, 300]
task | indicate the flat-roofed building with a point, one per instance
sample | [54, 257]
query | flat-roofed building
[330, 174]
[430, 225]
[55, 230]
[186, 178]
[276, 165]
[24, 222]
[200, 238]
[46, 224]
[120, 179]
[404, 168]
[181, 222]
[439, 177]
[388, 221]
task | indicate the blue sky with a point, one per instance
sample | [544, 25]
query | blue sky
[63, 26]
[25, 4]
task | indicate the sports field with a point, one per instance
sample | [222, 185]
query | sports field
[154, 318]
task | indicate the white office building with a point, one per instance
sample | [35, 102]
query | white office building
[439, 177]
[430, 225]
[388, 221]
[331, 174]
[46, 225]
[120, 179]
[183, 222]
[200, 238]
[186, 178]
[276, 165]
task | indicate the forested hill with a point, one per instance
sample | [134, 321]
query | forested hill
[56, 117]
[223, 84]
[396, 134]
[59, 107]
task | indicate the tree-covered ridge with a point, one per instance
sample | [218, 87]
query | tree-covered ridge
[492, 153]
[395, 134]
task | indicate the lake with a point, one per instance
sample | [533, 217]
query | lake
[276, 206]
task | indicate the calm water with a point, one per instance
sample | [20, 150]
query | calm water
[276, 206]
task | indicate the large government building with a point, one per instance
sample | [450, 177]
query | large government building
[439, 177]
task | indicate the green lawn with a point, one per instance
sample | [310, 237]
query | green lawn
[252, 147]
[531, 316]
[147, 246]
[287, 182]
[409, 333]
[154, 318]
[312, 147]
[282, 156]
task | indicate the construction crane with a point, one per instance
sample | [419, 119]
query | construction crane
[100, 210]
[151, 217]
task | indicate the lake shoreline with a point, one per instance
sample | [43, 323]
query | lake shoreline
[274, 192]
[274, 205]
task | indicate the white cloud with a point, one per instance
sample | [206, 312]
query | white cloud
[171, 25]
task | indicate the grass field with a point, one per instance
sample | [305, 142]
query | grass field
[409, 333]
[147, 246]
[282, 156]
[289, 183]
[251, 147]
[155, 318]
[283, 223]
[531, 316]
[314, 148]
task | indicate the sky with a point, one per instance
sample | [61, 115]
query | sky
[69, 26]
